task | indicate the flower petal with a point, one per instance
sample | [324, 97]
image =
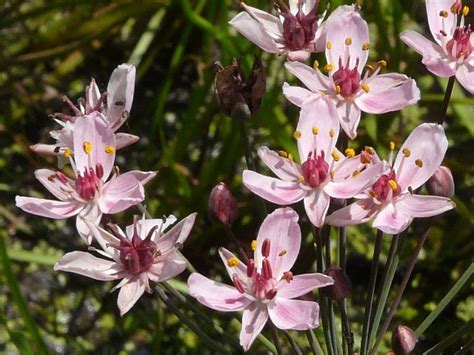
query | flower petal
[294, 314]
[253, 320]
[427, 144]
[438, 23]
[282, 167]
[145, 225]
[92, 214]
[282, 229]
[313, 79]
[316, 205]
[171, 266]
[125, 139]
[92, 96]
[86, 264]
[240, 269]
[392, 220]
[296, 95]
[48, 208]
[424, 206]
[216, 295]
[106, 240]
[177, 234]
[356, 213]
[349, 117]
[120, 91]
[465, 76]
[273, 190]
[299, 56]
[49, 180]
[302, 284]
[129, 294]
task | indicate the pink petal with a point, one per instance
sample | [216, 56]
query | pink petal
[240, 269]
[356, 213]
[313, 79]
[424, 206]
[465, 76]
[48, 208]
[294, 314]
[388, 92]
[49, 180]
[92, 129]
[392, 220]
[282, 229]
[271, 189]
[120, 91]
[129, 294]
[316, 205]
[346, 22]
[349, 117]
[92, 96]
[427, 143]
[307, 6]
[216, 295]
[171, 266]
[145, 225]
[177, 234]
[320, 113]
[302, 284]
[45, 149]
[92, 214]
[438, 23]
[296, 95]
[106, 240]
[125, 139]
[85, 264]
[253, 320]
[299, 56]
[282, 167]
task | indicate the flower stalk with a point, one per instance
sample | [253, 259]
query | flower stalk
[447, 98]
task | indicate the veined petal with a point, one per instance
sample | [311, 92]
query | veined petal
[427, 145]
[356, 213]
[438, 23]
[49, 180]
[271, 189]
[92, 95]
[130, 293]
[171, 266]
[282, 229]
[145, 225]
[302, 284]
[253, 321]
[465, 76]
[294, 314]
[271, 24]
[316, 205]
[92, 214]
[48, 208]
[298, 56]
[296, 95]
[216, 295]
[46, 149]
[349, 117]
[424, 206]
[313, 79]
[392, 219]
[120, 90]
[282, 167]
[106, 240]
[85, 264]
[177, 234]
[125, 139]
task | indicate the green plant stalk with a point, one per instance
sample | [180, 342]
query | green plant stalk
[276, 340]
[346, 328]
[332, 327]
[447, 98]
[314, 343]
[438, 348]
[445, 301]
[293, 343]
[19, 301]
[370, 292]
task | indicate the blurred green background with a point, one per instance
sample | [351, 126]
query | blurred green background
[51, 48]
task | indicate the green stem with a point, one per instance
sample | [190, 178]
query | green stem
[314, 343]
[276, 340]
[292, 341]
[447, 97]
[346, 327]
[438, 348]
[19, 301]
[445, 301]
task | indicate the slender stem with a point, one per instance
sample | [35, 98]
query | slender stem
[401, 288]
[332, 328]
[342, 245]
[275, 338]
[438, 348]
[445, 301]
[236, 243]
[465, 348]
[370, 292]
[346, 327]
[294, 345]
[314, 343]
[447, 97]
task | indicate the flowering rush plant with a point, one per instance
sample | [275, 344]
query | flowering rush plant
[333, 183]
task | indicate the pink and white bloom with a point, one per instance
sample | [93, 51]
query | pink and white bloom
[265, 287]
[324, 171]
[390, 202]
[347, 49]
[92, 193]
[142, 254]
[296, 32]
[119, 98]
[452, 52]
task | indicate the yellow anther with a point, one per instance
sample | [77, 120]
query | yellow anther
[373, 194]
[109, 149]
[329, 45]
[253, 245]
[283, 154]
[392, 145]
[419, 163]
[382, 63]
[335, 156]
[233, 262]
[465, 10]
[301, 178]
[348, 41]
[116, 170]
[365, 87]
[454, 8]
[67, 153]
[332, 133]
[315, 64]
[369, 67]
[315, 130]
[350, 153]
[365, 46]
[393, 184]
[283, 252]
[338, 89]
[356, 173]
[297, 135]
[406, 152]
[290, 157]
[87, 146]
[369, 150]
[328, 68]
[331, 173]
[443, 13]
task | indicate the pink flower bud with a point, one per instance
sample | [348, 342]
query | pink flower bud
[441, 183]
[342, 284]
[403, 340]
[222, 205]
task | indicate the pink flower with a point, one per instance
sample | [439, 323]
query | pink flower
[352, 91]
[119, 97]
[91, 193]
[265, 287]
[324, 172]
[295, 32]
[391, 201]
[452, 54]
[141, 254]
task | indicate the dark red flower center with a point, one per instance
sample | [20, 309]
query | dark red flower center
[89, 182]
[386, 186]
[347, 81]
[459, 46]
[315, 169]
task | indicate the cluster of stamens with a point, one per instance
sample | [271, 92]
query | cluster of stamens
[459, 46]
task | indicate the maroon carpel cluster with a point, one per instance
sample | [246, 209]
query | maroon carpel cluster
[460, 46]
[347, 80]
[315, 169]
[89, 182]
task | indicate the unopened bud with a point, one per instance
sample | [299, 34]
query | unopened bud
[403, 340]
[441, 183]
[342, 284]
[222, 204]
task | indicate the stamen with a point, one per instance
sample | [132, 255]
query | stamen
[87, 146]
[366, 88]
[331, 174]
[250, 267]
[373, 194]
[109, 149]
[328, 68]
[406, 152]
[266, 269]
[350, 153]
[239, 285]
[283, 154]
[392, 145]
[271, 294]
[288, 276]
[369, 67]
[315, 130]
[283, 252]
[301, 179]
[329, 45]
[233, 262]
[253, 245]
[382, 63]
[393, 184]
[116, 170]
[335, 156]
[348, 41]
[297, 135]
[99, 171]
[356, 173]
[67, 153]
[315, 65]
[465, 11]
[443, 13]
[61, 177]
[419, 163]
[290, 157]
[365, 46]
[456, 7]
[332, 133]
[266, 248]
[338, 89]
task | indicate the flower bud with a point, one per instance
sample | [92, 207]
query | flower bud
[342, 284]
[403, 340]
[238, 96]
[441, 183]
[222, 204]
